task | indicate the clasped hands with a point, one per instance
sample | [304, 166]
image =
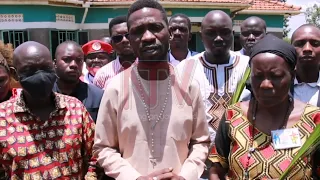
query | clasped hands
[163, 174]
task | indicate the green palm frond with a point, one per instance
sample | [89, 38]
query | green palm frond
[308, 147]
[241, 85]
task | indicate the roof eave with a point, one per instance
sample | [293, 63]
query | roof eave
[272, 12]
[66, 2]
[167, 4]
[30, 2]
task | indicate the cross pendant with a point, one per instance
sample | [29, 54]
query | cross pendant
[153, 162]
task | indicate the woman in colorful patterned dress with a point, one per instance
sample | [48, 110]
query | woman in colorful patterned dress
[244, 147]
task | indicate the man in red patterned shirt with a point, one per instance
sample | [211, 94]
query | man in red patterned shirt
[43, 135]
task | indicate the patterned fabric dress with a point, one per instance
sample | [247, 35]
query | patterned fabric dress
[217, 83]
[57, 148]
[232, 145]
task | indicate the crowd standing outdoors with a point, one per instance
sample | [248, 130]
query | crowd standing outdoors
[140, 105]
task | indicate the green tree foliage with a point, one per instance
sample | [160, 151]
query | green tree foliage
[288, 40]
[313, 15]
[286, 28]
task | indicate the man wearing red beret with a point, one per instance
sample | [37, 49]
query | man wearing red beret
[97, 54]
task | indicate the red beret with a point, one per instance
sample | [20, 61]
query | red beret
[96, 46]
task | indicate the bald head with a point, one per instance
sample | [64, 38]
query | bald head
[254, 21]
[253, 29]
[69, 58]
[217, 34]
[31, 53]
[306, 40]
[34, 67]
[67, 46]
[306, 28]
[215, 17]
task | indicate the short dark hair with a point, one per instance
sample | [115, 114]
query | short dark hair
[67, 42]
[117, 20]
[139, 4]
[183, 16]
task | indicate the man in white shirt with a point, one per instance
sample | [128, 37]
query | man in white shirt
[252, 30]
[149, 127]
[217, 70]
[180, 35]
[306, 40]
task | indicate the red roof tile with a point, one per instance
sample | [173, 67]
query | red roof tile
[256, 4]
[213, 1]
[272, 5]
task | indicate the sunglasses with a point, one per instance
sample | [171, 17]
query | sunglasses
[118, 38]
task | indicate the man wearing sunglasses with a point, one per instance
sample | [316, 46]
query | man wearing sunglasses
[125, 56]
[97, 54]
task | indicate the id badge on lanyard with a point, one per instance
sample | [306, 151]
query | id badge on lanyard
[286, 138]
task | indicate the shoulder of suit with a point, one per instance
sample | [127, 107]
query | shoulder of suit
[95, 90]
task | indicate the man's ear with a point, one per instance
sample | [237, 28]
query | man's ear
[170, 36]
[13, 73]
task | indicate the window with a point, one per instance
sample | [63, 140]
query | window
[236, 42]
[59, 36]
[192, 44]
[237, 22]
[15, 37]
[83, 37]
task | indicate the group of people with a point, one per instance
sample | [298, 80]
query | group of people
[141, 105]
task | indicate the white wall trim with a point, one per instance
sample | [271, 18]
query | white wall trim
[96, 26]
[76, 26]
[32, 25]
[51, 25]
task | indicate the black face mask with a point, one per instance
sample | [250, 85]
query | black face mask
[40, 84]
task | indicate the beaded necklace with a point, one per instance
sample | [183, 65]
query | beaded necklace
[251, 138]
[146, 108]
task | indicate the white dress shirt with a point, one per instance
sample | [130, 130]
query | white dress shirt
[307, 92]
[175, 62]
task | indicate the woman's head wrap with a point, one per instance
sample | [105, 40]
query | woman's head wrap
[272, 44]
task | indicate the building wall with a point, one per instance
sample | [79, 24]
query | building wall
[41, 13]
[103, 15]
[40, 35]
[275, 21]
[40, 19]
[278, 34]
[98, 33]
